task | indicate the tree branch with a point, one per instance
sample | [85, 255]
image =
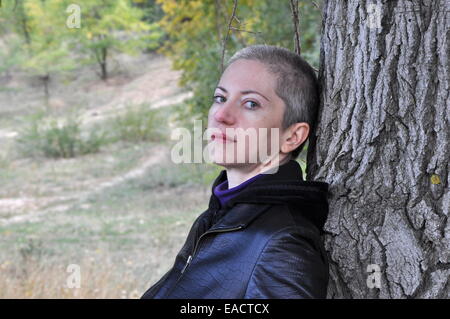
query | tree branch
[228, 33]
[295, 21]
[242, 30]
[316, 5]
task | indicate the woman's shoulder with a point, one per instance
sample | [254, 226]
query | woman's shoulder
[292, 235]
[283, 220]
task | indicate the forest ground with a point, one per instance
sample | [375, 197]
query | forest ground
[120, 214]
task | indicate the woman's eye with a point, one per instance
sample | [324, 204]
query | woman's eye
[251, 104]
[217, 99]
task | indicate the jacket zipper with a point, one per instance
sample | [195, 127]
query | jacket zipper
[187, 263]
[198, 241]
[189, 260]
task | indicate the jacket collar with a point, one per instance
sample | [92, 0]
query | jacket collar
[239, 216]
[286, 186]
[289, 170]
[243, 214]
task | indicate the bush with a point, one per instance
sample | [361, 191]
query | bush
[50, 137]
[138, 125]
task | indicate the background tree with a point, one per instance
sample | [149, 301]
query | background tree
[152, 10]
[382, 144]
[110, 27]
[14, 18]
[40, 26]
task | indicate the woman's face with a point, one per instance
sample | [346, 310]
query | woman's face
[245, 98]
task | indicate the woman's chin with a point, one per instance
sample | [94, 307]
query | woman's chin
[233, 163]
[227, 164]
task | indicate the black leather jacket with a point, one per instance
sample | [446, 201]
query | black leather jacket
[264, 243]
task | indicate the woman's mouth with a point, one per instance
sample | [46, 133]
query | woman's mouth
[220, 137]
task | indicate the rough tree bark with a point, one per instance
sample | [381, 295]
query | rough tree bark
[382, 143]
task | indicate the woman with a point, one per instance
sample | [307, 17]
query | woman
[260, 236]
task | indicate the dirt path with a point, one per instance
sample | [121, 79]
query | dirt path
[158, 87]
[157, 155]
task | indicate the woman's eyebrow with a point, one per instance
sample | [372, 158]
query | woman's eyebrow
[244, 92]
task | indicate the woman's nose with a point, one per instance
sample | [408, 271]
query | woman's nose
[225, 114]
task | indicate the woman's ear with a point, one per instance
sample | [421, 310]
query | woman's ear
[294, 136]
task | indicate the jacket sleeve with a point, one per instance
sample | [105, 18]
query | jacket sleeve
[291, 266]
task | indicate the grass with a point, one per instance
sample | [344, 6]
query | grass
[49, 136]
[100, 277]
[58, 138]
[53, 177]
[137, 220]
[125, 236]
[139, 123]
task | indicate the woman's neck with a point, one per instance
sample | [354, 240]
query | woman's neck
[239, 174]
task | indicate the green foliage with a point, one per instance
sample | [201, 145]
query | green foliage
[13, 19]
[197, 29]
[53, 138]
[114, 26]
[310, 26]
[152, 10]
[138, 125]
[50, 46]
[47, 136]
[38, 37]
[48, 52]
[11, 55]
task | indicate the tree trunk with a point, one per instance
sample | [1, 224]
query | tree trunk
[382, 145]
[25, 30]
[103, 65]
[46, 81]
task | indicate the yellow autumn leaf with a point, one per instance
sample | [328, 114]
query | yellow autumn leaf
[435, 179]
